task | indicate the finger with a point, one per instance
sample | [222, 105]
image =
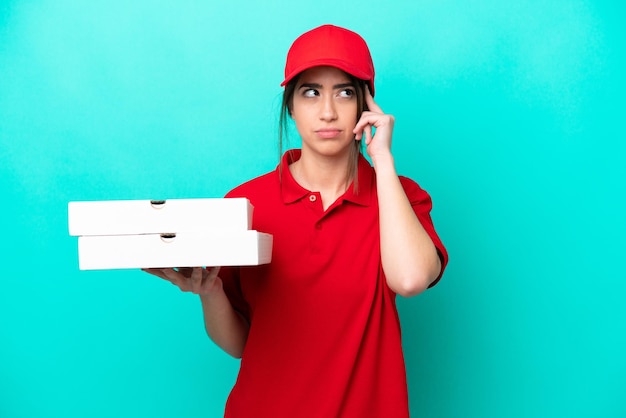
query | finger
[156, 272]
[209, 274]
[213, 272]
[371, 104]
[173, 276]
[368, 134]
[169, 275]
[209, 277]
[361, 124]
[197, 274]
[185, 271]
[357, 134]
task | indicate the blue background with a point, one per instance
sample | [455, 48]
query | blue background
[511, 114]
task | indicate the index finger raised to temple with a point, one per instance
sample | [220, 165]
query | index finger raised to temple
[371, 104]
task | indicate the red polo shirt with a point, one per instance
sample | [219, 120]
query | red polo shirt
[324, 335]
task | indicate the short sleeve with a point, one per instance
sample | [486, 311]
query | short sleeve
[422, 205]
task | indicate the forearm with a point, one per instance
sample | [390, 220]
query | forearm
[409, 257]
[225, 326]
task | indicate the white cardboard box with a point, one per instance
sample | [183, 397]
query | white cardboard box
[219, 248]
[120, 234]
[131, 217]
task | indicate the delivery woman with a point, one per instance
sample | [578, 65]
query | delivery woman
[317, 329]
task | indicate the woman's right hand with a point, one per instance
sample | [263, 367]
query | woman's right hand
[198, 280]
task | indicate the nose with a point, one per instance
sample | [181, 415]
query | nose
[328, 111]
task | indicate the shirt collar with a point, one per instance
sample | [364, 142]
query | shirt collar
[291, 191]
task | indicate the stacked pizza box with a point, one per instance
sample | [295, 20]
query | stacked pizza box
[122, 234]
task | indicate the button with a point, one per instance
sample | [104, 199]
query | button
[318, 225]
[312, 198]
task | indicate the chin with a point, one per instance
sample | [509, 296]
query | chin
[329, 148]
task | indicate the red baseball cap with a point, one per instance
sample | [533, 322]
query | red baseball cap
[333, 46]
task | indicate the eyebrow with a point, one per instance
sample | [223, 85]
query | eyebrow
[319, 86]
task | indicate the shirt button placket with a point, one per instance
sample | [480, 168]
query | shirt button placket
[315, 203]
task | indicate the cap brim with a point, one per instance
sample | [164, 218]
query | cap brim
[330, 62]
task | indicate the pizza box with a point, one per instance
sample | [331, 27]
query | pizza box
[132, 217]
[185, 249]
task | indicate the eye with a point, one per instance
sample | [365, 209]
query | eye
[346, 93]
[310, 93]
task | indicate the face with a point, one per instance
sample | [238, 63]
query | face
[324, 109]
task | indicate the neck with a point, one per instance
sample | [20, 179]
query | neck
[327, 175]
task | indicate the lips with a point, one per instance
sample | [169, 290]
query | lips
[328, 133]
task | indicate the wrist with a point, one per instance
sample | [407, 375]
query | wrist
[382, 161]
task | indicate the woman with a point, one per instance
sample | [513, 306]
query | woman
[317, 329]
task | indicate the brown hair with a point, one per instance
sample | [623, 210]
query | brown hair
[287, 107]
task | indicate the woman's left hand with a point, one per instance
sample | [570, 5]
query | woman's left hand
[377, 143]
